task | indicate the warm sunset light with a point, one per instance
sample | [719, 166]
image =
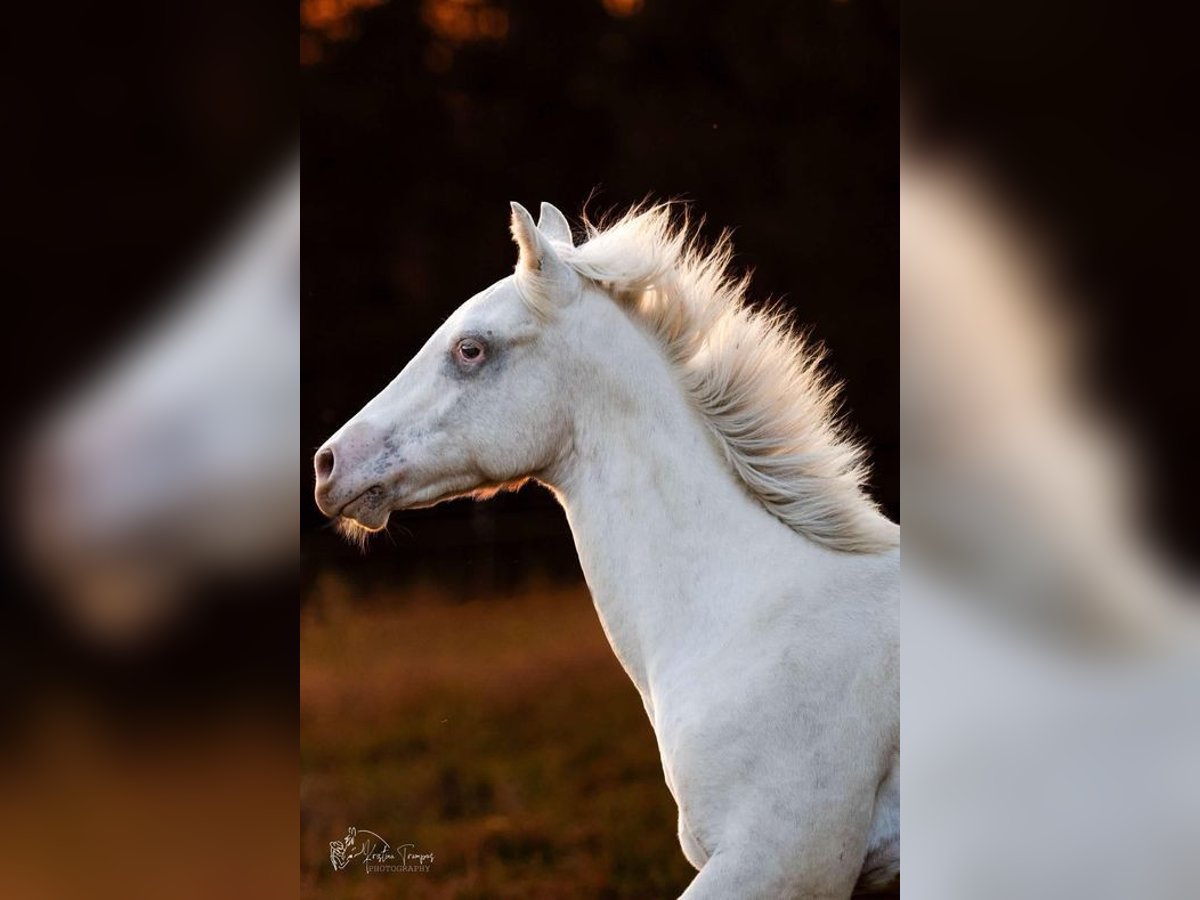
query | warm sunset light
[465, 21]
[451, 23]
[623, 9]
[333, 17]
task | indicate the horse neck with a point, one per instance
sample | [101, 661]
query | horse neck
[673, 547]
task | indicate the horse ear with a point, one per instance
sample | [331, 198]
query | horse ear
[531, 247]
[536, 253]
[554, 225]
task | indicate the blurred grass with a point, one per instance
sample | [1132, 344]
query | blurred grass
[497, 732]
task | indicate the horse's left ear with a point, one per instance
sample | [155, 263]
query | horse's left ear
[537, 254]
[554, 225]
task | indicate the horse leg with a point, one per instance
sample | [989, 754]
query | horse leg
[815, 853]
[751, 873]
[728, 874]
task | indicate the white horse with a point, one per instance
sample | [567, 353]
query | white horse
[745, 581]
[176, 463]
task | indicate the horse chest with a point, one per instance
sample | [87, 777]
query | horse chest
[693, 749]
[675, 773]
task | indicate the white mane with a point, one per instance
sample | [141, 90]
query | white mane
[760, 386]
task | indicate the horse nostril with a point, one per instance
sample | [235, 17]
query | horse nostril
[324, 464]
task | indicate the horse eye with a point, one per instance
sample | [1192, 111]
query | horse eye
[470, 350]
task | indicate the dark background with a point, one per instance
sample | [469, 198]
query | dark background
[422, 120]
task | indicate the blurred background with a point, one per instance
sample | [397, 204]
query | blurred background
[456, 689]
[1050, 632]
[148, 638]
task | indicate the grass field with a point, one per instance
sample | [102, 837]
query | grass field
[497, 732]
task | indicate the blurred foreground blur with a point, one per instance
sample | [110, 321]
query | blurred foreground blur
[149, 694]
[148, 612]
[1051, 649]
[176, 465]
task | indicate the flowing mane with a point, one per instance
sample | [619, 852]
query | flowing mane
[759, 384]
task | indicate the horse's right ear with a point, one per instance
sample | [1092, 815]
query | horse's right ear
[537, 255]
[532, 247]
